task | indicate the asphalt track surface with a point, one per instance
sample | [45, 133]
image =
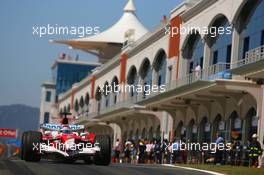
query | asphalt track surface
[45, 167]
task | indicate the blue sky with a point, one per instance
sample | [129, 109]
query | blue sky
[25, 59]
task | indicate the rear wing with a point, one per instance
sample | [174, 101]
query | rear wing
[57, 127]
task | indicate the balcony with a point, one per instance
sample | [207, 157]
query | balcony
[251, 64]
[254, 62]
[190, 82]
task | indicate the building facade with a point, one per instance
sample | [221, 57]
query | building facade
[65, 73]
[225, 95]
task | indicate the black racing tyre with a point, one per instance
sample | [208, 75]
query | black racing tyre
[29, 152]
[104, 156]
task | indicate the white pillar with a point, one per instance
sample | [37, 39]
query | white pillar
[235, 46]
[93, 105]
[260, 114]
[207, 55]
[171, 75]
[167, 124]
[116, 130]
[154, 77]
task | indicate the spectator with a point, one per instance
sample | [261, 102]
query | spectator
[141, 151]
[117, 150]
[127, 151]
[157, 152]
[236, 153]
[254, 151]
[133, 154]
[165, 151]
[149, 151]
[219, 153]
[183, 151]
[175, 150]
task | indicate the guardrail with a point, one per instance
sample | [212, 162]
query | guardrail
[252, 56]
[219, 70]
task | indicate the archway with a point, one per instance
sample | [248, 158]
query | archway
[220, 43]
[98, 97]
[76, 106]
[234, 127]
[180, 131]
[251, 124]
[249, 23]
[192, 132]
[145, 73]
[205, 131]
[106, 94]
[81, 103]
[159, 66]
[115, 91]
[132, 79]
[87, 101]
[218, 127]
[193, 50]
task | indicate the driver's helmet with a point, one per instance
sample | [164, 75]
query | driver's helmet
[66, 130]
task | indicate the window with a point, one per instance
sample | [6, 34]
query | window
[170, 73]
[46, 117]
[191, 67]
[48, 96]
[115, 98]
[201, 62]
[228, 55]
[262, 38]
[215, 57]
[245, 46]
[106, 102]
[160, 80]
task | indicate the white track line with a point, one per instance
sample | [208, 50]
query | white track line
[193, 169]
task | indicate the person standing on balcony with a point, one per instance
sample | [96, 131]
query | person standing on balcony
[197, 71]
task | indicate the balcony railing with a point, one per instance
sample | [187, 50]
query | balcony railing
[252, 56]
[217, 71]
[213, 72]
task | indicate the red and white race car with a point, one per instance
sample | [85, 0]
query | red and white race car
[65, 142]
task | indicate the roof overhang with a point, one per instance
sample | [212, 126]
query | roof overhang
[103, 50]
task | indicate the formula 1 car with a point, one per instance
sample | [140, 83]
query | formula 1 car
[67, 143]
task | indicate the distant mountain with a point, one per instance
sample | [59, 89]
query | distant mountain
[19, 117]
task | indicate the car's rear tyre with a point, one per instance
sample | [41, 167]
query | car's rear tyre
[104, 156]
[30, 146]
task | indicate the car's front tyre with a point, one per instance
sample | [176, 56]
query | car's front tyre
[30, 146]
